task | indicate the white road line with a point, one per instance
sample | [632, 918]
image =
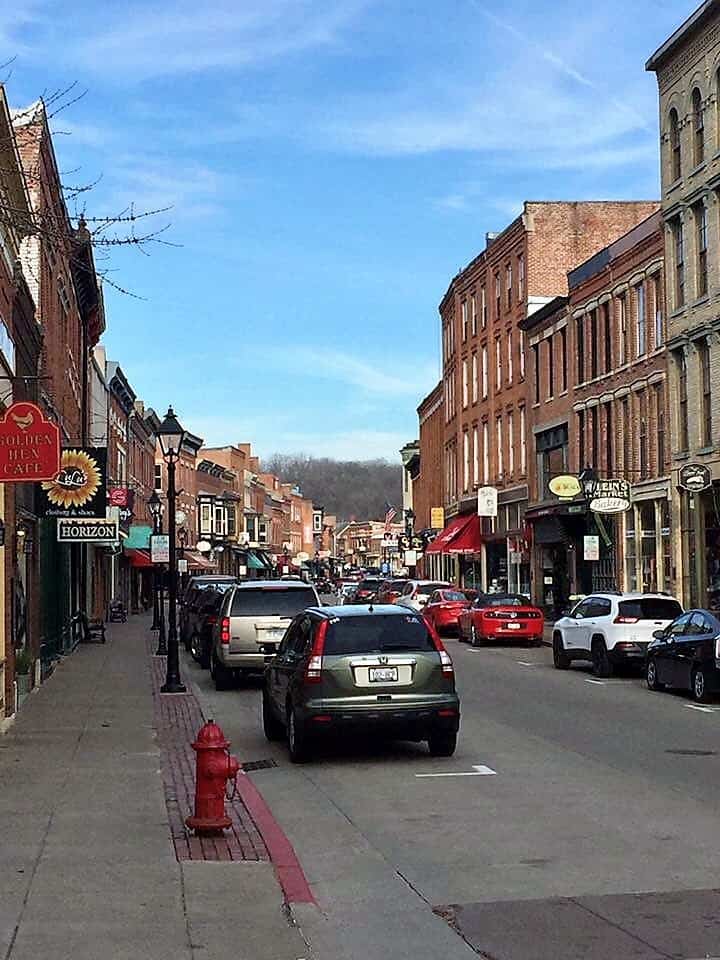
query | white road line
[592, 680]
[526, 663]
[696, 706]
[478, 770]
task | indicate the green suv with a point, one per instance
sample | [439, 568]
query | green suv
[379, 668]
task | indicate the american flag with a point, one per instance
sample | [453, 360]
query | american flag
[389, 516]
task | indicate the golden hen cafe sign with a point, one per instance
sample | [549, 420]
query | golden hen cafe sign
[78, 488]
[29, 445]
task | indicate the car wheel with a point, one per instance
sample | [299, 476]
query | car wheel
[297, 738]
[601, 665]
[651, 677]
[195, 647]
[442, 744]
[221, 675]
[272, 727]
[699, 686]
[561, 660]
[474, 638]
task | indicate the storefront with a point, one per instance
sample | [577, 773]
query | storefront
[647, 544]
[700, 528]
[455, 555]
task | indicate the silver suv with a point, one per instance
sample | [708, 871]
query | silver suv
[252, 621]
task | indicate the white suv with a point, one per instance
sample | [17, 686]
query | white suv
[416, 593]
[611, 628]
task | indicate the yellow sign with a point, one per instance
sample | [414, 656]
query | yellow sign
[437, 518]
[565, 487]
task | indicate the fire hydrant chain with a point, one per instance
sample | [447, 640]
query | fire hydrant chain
[215, 766]
[232, 785]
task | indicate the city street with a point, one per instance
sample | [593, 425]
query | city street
[562, 787]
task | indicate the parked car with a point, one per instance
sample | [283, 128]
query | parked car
[501, 617]
[366, 591]
[347, 592]
[443, 609]
[209, 604]
[391, 590]
[416, 593]
[253, 618]
[686, 655]
[611, 629]
[190, 607]
[382, 669]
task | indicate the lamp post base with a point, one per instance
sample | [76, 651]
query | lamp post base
[173, 687]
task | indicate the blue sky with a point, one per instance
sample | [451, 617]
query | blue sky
[330, 165]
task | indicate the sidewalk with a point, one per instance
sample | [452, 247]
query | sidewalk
[88, 862]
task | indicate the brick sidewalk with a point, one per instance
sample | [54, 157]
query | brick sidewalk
[178, 717]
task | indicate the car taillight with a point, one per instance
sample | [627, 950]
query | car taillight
[626, 619]
[491, 615]
[445, 658]
[212, 621]
[225, 630]
[313, 671]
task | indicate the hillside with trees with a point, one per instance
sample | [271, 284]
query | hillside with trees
[350, 488]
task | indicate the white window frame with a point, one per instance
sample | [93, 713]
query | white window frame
[498, 363]
[206, 518]
[464, 384]
[521, 353]
[509, 356]
[499, 446]
[523, 442]
[474, 366]
[511, 439]
[473, 315]
[484, 372]
[476, 457]
[464, 312]
[486, 453]
[466, 462]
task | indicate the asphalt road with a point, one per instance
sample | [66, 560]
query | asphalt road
[586, 791]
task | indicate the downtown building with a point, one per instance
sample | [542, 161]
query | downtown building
[488, 385]
[687, 66]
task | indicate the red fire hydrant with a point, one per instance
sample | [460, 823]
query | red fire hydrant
[215, 766]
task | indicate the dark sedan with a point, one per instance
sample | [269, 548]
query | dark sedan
[686, 655]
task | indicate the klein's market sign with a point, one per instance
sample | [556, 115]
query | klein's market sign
[608, 496]
[87, 530]
[29, 445]
[78, 488]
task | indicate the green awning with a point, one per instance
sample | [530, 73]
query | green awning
[253, 562]
[138, 538]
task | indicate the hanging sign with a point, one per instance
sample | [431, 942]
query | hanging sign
[695, 477]
[160, 548]
[565, 487]
[29, 444]
[487, 502]
[87, 530]
[78, 488]
[437, 518]
[591, 548]
[182, 566]
[608, 496]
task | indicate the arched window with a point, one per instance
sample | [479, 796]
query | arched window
[675, 159]
[698, 127]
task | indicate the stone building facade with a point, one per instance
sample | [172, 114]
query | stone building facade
[687, 66]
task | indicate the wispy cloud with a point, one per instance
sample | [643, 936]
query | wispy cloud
[159, 39]
[374, 376]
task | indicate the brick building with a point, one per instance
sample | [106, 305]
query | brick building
[600, 407]
[485, 389]
[688, 78]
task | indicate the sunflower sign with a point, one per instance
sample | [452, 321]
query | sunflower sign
[78, 490]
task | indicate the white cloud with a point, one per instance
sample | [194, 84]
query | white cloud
[150, 40]
[405, 378]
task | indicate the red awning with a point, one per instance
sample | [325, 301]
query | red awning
[469, 539]
[139, 558]
[445, 542]
[197, 561]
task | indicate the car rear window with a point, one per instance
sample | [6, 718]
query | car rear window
[427, 588]
[271, 602]
[397, 584]
[650, 608]
[453, 595]
[376, 634]
[504, 600]
[369, 584]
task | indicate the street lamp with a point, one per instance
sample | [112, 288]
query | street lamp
[156, 507]
[171, 436]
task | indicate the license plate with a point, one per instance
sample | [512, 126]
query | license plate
[383, 674]
[513, 626]
[270, 635]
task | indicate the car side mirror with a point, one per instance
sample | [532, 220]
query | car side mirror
[659, 635]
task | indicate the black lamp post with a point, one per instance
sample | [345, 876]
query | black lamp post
[156, 509]
[171, 436]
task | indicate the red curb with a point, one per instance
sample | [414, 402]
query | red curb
[290, 874]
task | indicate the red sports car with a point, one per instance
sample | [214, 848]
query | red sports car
[500, 617]
[443, 609]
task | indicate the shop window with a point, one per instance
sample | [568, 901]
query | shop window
[648, 546]
[551, 447]
[631, 580]
[666, 543]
